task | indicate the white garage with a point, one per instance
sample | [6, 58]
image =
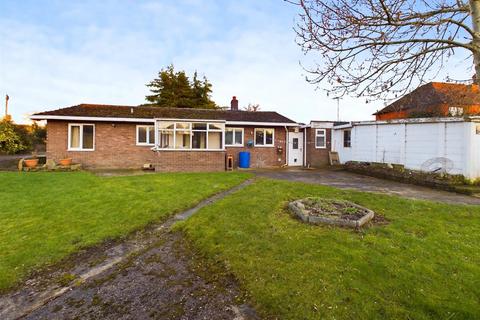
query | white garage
[450, 145]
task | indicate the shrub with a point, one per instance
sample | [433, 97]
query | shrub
[10, 140]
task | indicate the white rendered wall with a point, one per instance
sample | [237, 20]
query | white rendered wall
[417, 146]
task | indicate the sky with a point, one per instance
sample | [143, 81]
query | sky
[55, 54]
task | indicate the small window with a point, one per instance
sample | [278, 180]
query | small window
[81, 137]
[320, 139]
[145, 135]
[234, 137]
[264, 137]
[295, 143]
[347, 138]
[455, 111]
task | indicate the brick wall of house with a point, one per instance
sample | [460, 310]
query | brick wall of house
[261, 157]
[190, 161]
[317, 157]
[115, 148]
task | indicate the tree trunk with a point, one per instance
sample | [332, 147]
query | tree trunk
[475, 12]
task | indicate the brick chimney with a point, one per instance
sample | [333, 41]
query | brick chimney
[234, 104]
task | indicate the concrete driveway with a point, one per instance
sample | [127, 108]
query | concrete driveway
[347, 180]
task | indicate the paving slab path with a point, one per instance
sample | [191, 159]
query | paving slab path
[348, 180]
[154, 274]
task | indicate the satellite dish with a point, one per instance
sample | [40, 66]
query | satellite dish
[437, 165]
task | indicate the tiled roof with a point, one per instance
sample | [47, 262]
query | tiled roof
[148, 112]
[435, 94]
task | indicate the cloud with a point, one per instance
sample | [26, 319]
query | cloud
[65, 53]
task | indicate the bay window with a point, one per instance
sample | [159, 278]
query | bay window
[190, 135]
[81, 137]
[234, 137]
[264, 137]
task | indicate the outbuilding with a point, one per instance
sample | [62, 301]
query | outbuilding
[450, 145]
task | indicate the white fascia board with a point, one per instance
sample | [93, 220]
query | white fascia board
[410, 120]
[321, 124]
[103, 119]
[402, 121]
[152, 120]
[343, 126]
[271, 124]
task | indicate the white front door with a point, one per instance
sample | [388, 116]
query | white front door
[295, 148]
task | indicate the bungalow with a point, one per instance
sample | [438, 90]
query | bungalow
[173, 139]
[434, 99]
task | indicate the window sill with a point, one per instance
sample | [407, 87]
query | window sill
[145, 144]
[187, 150]
[320, 147]
[235, 146]
[81, 150]
[262, 146]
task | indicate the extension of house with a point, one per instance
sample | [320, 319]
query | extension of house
[173, 139]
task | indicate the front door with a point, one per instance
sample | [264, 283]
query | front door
[295, 148]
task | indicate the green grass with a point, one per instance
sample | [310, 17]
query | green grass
[46, 216]
[425, 264]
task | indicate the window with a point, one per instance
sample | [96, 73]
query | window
[81, 137]
[295, 144]
[234, 137]
[347, 138]
[190, 135]
[320, 139]
[145, 135]
[264, 137]
[455, 111]
[165, 135]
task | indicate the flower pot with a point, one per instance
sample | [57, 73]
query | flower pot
[30, 163]
[65, 162]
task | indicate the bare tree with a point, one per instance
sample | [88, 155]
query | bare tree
[252, 107]
[380, 48]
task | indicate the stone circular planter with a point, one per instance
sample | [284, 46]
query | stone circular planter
[305, 213]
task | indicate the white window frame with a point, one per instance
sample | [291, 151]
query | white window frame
[264, 145]
[148, 127]
[455, 111]
[207, 132]
[321, 133]
[242, 144]
[70, 125]
[343, 139]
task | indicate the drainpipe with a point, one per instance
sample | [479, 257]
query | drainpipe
[286, 147]
[305, 146]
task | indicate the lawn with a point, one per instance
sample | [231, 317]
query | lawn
[46, 216]
[425, 264]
